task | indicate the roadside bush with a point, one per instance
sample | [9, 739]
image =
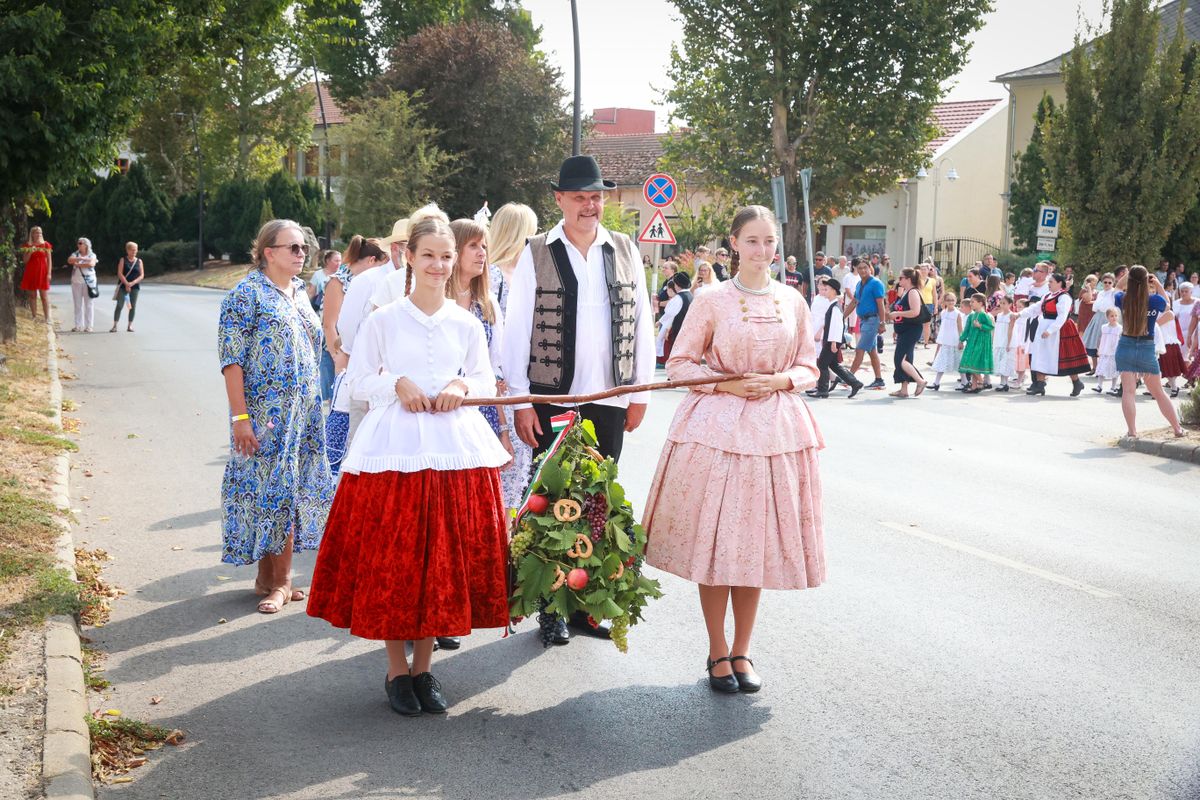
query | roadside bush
[169, 257]
[234, 216]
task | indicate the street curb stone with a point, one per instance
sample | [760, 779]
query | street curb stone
[66, 748]
[1186, 452]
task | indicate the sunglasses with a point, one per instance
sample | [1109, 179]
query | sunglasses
[297, 249]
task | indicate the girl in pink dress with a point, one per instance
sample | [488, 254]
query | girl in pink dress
[751, 442]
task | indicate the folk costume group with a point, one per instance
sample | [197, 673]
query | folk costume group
[413, 541]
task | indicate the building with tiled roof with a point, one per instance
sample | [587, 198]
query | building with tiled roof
[325, 155]
[1027, 86]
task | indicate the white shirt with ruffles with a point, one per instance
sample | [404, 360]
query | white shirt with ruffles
[401, 341]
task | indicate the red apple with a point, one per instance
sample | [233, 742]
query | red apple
[577, 578]
[538, 503]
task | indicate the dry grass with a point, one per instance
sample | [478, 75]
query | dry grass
[215, 275]
[120, 744]
[31, 587]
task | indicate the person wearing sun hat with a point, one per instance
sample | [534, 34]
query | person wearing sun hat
[578, 322]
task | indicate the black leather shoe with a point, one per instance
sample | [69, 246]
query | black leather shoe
[446, 643]
[429, 693]
[725, 684]
[746, 682]
[855, 389]
[401, 697]
[579, 621]
[817, 394]
[1077, 389]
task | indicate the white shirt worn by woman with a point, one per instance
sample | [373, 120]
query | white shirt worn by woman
[401, 341]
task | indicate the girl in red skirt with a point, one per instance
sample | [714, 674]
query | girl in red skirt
[36, 278]
[416, 542]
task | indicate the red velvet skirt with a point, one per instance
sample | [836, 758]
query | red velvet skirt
[408, 555]
[1170, 363]
[1072, 358]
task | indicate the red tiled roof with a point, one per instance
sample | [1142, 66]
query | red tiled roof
[952, 118]
[333, 112]
[627, 158]
[630, 158]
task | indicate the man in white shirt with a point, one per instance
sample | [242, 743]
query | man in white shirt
[579, 320]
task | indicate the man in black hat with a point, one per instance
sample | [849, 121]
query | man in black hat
[578, 322]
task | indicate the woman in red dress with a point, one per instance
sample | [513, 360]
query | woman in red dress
[36, 279]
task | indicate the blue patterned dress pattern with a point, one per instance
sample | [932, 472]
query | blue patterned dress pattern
[287, 485]
[489, 412]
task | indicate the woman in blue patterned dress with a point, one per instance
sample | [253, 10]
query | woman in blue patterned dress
[468, 286]
[277, 486]
[512, 225]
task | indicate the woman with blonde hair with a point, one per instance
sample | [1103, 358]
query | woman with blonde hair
[36, 277]
[277, 486]
[512, 225]
[705, 279]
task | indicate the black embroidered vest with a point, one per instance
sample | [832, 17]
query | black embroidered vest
[552, 346]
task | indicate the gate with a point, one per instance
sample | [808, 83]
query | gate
[956, 255]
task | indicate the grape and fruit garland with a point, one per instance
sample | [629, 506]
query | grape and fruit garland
[575, 544]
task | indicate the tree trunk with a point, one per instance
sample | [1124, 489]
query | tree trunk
[785, 159]
[8, 272]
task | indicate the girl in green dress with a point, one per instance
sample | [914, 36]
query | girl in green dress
[977, 334]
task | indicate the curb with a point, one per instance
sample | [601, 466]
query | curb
[1174, 450]
[66, 748]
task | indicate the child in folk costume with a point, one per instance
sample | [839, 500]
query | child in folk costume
[1106, 352]
[977, 335]
[1057, 349]
[964, 311]
[416, 543]
[1023, 338]
[949, 352]
[1003, 346]
[1170, 361]
[831, 338]
[1102, 301]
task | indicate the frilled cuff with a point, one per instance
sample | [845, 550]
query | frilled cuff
[377, 391]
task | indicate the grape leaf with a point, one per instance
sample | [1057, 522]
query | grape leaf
[555, 478]
[620, 537]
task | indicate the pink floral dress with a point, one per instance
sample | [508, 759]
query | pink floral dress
[757, 521]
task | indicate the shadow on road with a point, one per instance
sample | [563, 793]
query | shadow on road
[480, 752]
[194, 520]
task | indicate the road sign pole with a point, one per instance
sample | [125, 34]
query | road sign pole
[805, 184]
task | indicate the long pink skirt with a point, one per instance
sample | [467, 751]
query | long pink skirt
[723, 519]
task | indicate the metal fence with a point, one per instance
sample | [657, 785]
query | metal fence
[956, 255]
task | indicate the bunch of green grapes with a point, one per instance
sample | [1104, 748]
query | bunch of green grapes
[619, 628]
[520, 542]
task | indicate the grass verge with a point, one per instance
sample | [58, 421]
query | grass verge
[31, 586]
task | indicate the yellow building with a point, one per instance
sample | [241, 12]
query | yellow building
[1027, 86]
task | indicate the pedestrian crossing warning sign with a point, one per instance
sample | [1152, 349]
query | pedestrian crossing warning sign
[657, 231]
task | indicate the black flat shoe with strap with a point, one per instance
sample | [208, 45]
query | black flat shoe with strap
[725, 684]
[746, 682]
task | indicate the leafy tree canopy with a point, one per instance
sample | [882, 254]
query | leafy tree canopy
[769, 89]
[499, 111]
[1123, 157]
[1028, 191]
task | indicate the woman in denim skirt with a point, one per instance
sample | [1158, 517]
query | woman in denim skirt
[1141, 301]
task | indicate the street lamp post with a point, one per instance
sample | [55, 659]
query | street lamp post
[576, 130]
[951, 175]
[199, 185]
[327, 160]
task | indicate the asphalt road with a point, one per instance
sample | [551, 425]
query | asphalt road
[1012, 611]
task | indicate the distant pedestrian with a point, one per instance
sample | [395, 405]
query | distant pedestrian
[84, 288]
[706, 278]
[1106, 362]
[277, 486]
[674, 315]
[1140, 300]
[907, 313]
[721, 266]
[1003, 344]
[831, 340]
[1057, 348]
[36, 277]
[949, 340]
[977, 340]
[130, 274]
[868, 304]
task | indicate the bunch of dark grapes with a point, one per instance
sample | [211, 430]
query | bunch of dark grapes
[595, 506]
[546, 624]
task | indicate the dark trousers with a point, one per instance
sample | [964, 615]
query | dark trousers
[132, 296]
[828, 362]
[608, 420]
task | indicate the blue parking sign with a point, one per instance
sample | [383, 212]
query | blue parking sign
[1048, 219]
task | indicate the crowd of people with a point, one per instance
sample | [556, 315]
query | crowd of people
[85, 287]
[405, 492]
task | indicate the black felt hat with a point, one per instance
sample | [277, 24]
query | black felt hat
[580, 174]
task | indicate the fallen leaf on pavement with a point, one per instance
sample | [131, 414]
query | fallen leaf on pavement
[132, 436]
[105, 519]
[222, 578]
[174, 738]
[123, 779]
[155, 700]
[113, 712]
[87, 473]
[177, 547]
[221, 621]
[135, 762]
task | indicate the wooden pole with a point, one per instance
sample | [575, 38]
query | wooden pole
[575, 399]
